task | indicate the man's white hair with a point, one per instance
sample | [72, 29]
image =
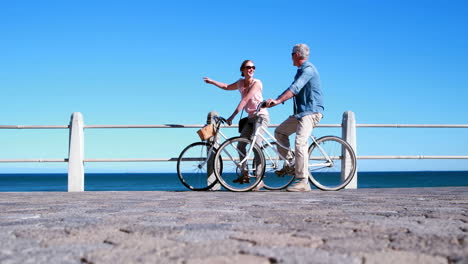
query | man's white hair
[303, 50]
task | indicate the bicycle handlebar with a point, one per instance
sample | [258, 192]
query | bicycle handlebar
[219, 119]
[261, 105]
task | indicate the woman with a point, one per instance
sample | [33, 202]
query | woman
[251, 95]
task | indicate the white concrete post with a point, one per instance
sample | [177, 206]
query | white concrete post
[214, 140]
[349, 134]
[76, 154]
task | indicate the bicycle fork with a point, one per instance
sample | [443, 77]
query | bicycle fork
[242, 164]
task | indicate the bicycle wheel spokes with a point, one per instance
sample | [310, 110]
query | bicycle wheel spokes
[326, 163]
[242, 169]
[273, 163]
[192, 167]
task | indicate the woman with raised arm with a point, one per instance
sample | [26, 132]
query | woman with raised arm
[251, 95]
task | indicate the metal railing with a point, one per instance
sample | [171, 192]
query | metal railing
[233, 126]
[76, 145]
[276, 125]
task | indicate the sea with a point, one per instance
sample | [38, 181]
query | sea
[57, 182]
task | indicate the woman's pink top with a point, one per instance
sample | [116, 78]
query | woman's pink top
[253, 102]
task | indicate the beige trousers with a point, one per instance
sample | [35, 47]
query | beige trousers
[303, 128]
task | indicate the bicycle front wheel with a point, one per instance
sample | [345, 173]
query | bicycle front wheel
[332, 163]
[273, 162]
[241, 165]
[193, 164]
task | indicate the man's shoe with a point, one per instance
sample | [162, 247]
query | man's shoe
[301, 185]
[259, 186]
[285, 170]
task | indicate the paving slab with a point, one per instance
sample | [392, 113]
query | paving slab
[406, 225]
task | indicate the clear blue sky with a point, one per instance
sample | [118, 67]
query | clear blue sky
[142, 62]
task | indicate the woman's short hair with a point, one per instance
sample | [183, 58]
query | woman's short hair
[303, 50]
[243, 65]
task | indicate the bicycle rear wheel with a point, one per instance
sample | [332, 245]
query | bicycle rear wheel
[273, 162]
[233, 175]
[192, 166]
[330, 174]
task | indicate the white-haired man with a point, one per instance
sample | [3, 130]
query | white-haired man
[308, 108]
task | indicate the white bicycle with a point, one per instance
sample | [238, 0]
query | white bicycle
[242, 164]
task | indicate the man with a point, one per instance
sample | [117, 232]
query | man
[308, 109]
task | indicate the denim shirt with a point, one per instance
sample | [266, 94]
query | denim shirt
[308, 96]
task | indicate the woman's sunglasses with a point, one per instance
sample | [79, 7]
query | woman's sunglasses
[249, 67]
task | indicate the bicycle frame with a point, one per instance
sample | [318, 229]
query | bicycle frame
[327, 158]
[261, 131]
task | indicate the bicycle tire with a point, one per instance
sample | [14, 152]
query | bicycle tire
[273, 162]
[229, 156]
[192, 167]
[331, 177]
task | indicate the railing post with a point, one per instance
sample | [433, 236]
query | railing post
[214, 140]
[76, 154]
[349, 134]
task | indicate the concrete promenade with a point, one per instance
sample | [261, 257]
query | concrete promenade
[414, 225]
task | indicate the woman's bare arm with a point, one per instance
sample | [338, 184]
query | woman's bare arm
[224, 86]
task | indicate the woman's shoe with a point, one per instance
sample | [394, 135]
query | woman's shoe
[285, 170]
[242, 179]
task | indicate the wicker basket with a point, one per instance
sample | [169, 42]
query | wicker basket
[206, 132]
